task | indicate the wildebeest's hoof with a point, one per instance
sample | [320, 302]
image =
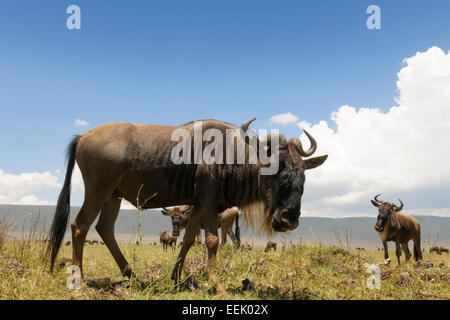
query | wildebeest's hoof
[191, 283]
[247, 285]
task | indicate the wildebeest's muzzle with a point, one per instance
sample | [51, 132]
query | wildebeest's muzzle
[379, 226]
[176, 227]
[283, 221]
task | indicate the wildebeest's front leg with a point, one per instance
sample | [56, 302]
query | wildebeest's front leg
[386, 251]
[192, 230]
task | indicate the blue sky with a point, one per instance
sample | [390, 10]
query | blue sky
[170, 62]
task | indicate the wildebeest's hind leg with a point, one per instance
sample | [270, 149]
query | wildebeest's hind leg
[105, 228]
[80, 227]
[96, 195]
[417, 250]
[192, 230]
[224, 236]
[398, 251]
[406, 251]
[231, 234]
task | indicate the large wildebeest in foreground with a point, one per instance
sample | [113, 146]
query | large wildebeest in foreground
[180, 219]
[135, 162]
[398, 227]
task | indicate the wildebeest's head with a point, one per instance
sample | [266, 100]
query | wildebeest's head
[179, 216]
[385, 209]
[283, 191]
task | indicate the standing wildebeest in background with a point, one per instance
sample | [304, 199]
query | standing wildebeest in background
[135, 162]
[180, 219]
[435, 249]
[173, 241]
[439, 250]
[270, 245]
[395, 226]
[168, 239]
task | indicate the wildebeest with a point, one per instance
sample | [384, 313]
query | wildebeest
[180, 219]
[443, 249]
[135, 162]
[270, 245]
[398, 227]
[439, 250]
[167, 239]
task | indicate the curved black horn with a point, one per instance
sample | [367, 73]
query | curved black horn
[311, 149]
[251, 137]
[166, 211]
[376, 198]
[246, 124]
[398, 208]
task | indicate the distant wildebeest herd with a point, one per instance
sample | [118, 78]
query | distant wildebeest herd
[135, 162]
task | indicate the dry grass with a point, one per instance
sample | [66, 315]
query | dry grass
[299, 271]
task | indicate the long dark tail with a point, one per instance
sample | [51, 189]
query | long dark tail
[237, 232]
[62, 212]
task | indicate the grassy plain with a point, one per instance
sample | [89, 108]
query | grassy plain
[294, 271]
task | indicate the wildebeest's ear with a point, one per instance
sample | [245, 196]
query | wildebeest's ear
[375, 203]
[314, 162]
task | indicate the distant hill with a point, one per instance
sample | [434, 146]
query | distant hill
[360, 230]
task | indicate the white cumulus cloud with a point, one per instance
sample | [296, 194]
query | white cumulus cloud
[80, 123]
[18, 188]
[284, 118]
[400, 150]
